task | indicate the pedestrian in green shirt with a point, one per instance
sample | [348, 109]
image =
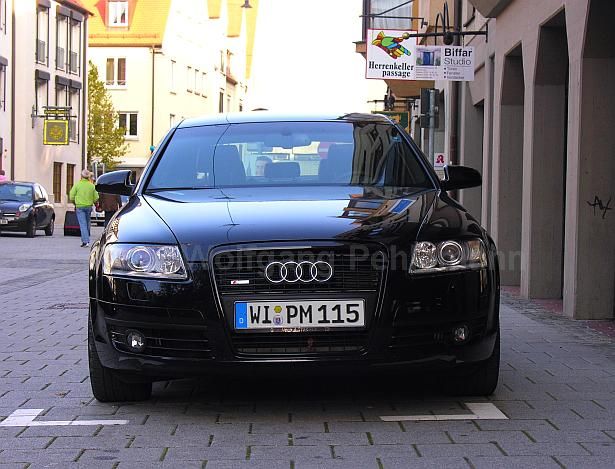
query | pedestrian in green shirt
[83, 194]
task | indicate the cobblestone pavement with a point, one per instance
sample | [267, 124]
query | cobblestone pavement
[557, 389]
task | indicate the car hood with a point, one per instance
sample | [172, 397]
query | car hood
[10, 205]
[213, 217]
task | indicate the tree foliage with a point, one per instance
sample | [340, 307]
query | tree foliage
[105, 139]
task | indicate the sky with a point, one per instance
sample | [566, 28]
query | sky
[305, 60]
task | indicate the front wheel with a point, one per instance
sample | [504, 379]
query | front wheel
[481, 382]
[31, 228]
[106, 386]
[49, 228]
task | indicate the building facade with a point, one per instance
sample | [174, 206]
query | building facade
[538, 121]
[166, 60]
[43, 50]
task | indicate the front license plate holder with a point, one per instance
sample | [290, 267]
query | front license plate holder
[299, 315]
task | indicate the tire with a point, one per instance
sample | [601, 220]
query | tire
[106, 386]
[49, 228]
[31, 229]
[481, 382]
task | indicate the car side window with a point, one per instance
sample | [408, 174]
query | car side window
[38, 194]
[45, 194]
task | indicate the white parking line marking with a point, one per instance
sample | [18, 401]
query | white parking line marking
[480, 411]
[25, 418]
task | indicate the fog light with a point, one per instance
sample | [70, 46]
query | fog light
[135, 341]
[461, 334]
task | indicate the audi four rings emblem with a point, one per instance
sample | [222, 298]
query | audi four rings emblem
[304, 271]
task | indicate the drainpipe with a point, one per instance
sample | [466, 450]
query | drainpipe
[153, 93]
[13, 60]
[456, 95]
[84, 91]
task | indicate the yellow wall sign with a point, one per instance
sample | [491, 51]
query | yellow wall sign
[55, 132]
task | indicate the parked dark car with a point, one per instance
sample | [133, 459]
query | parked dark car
[343, 251]
[25, 206]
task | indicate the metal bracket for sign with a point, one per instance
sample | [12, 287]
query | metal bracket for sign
[52, 113]
[448, 34]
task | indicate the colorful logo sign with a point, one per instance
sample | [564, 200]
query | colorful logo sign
[392, 45]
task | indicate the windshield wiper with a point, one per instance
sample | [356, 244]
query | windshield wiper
[11, 200]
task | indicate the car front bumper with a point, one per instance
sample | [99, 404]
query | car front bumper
[189, 332]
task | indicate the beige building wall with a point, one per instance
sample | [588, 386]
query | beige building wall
[30, 159]
[548, 109]
[6, 57]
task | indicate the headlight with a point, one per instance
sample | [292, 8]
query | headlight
[446, 256]
[24, 207]
[143, 261]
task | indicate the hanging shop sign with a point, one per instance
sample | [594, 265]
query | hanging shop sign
[55, 126]
[394, 55]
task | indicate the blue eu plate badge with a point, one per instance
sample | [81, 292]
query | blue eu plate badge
[241, 315]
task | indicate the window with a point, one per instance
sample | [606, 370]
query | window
[204, 84]
[171, 120]
[61, 42]
[116, 72]
[75, 47]
[57, 182]
[189, 80]
[74, 99]
[61, 95]
[118, 13]
[285, 154]
[221, 101]
[38, 192]
[42, 35]
[3, 16]
[240, 106]
[44, 193]
[197, 85]
[128, 121]
[42, 94]
[172, 77]
[70, 178]
[2, 88]
[228, 103]
[229, 56]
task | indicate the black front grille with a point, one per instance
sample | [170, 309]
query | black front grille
[354, 269]
[167, 342]
[280, 343]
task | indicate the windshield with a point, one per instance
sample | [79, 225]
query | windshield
[16, 192]
[288, 154]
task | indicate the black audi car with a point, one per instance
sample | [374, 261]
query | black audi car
[258, 241]
[25, 206]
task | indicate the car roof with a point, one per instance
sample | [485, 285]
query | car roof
[18, 182]
[268, 116]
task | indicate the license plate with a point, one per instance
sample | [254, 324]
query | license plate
[3, 221]
[299, 314]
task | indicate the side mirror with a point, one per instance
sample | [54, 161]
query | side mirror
[115, 182]
[460, 177]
